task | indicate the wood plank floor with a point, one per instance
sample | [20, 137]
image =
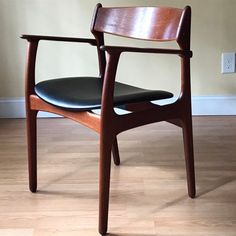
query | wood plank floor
[148, 189]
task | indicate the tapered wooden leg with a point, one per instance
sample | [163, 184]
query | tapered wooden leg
[104, 181]
[115, 152]
[32, 149]
[189, 156]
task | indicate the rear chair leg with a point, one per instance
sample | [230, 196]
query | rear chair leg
[189, 156]
[32, 149]
[115, 152]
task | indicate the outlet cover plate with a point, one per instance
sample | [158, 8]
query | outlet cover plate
[228, 62]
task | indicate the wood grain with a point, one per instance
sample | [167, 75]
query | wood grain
[148, 195]
[150, 23]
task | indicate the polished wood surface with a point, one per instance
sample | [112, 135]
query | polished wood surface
[57, 38]
[157, 24]
[118, 49]
[88, 119]
[150, 23]
[148, 196]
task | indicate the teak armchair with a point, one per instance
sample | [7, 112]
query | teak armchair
[76, 97]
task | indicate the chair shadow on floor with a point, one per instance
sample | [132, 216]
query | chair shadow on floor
[203, 190]
[131, 234]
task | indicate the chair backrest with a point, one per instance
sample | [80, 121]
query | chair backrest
[146, 23]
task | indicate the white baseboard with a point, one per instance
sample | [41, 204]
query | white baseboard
[15, 108]
[214, 105]
[201, 105]
[210, 105]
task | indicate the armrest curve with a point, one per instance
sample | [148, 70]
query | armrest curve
[32, 38]
[120, 49]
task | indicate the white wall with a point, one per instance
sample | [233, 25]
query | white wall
[213, 32]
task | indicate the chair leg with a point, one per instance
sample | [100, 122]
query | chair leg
[189, 156]
[32, 149]
[104, 181]
[115, 152]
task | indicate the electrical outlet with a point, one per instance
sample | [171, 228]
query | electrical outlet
[228, 62]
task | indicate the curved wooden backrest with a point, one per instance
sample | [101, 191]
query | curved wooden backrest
[147, 23]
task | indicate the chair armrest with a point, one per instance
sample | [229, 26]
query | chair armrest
[31, 57]
[118, 49]
[31, 38]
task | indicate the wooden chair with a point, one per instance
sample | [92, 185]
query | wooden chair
[76, 97]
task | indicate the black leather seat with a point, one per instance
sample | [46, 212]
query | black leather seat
[84, 93]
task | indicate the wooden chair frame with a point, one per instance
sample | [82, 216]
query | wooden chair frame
[109, 124]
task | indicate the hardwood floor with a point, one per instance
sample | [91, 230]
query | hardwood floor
[148, 190]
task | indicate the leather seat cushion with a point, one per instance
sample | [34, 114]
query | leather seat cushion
[84, 93]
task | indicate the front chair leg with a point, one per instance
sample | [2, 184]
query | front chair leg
[104, 180]
[115, 152]
[32, 148]
[189, 155]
